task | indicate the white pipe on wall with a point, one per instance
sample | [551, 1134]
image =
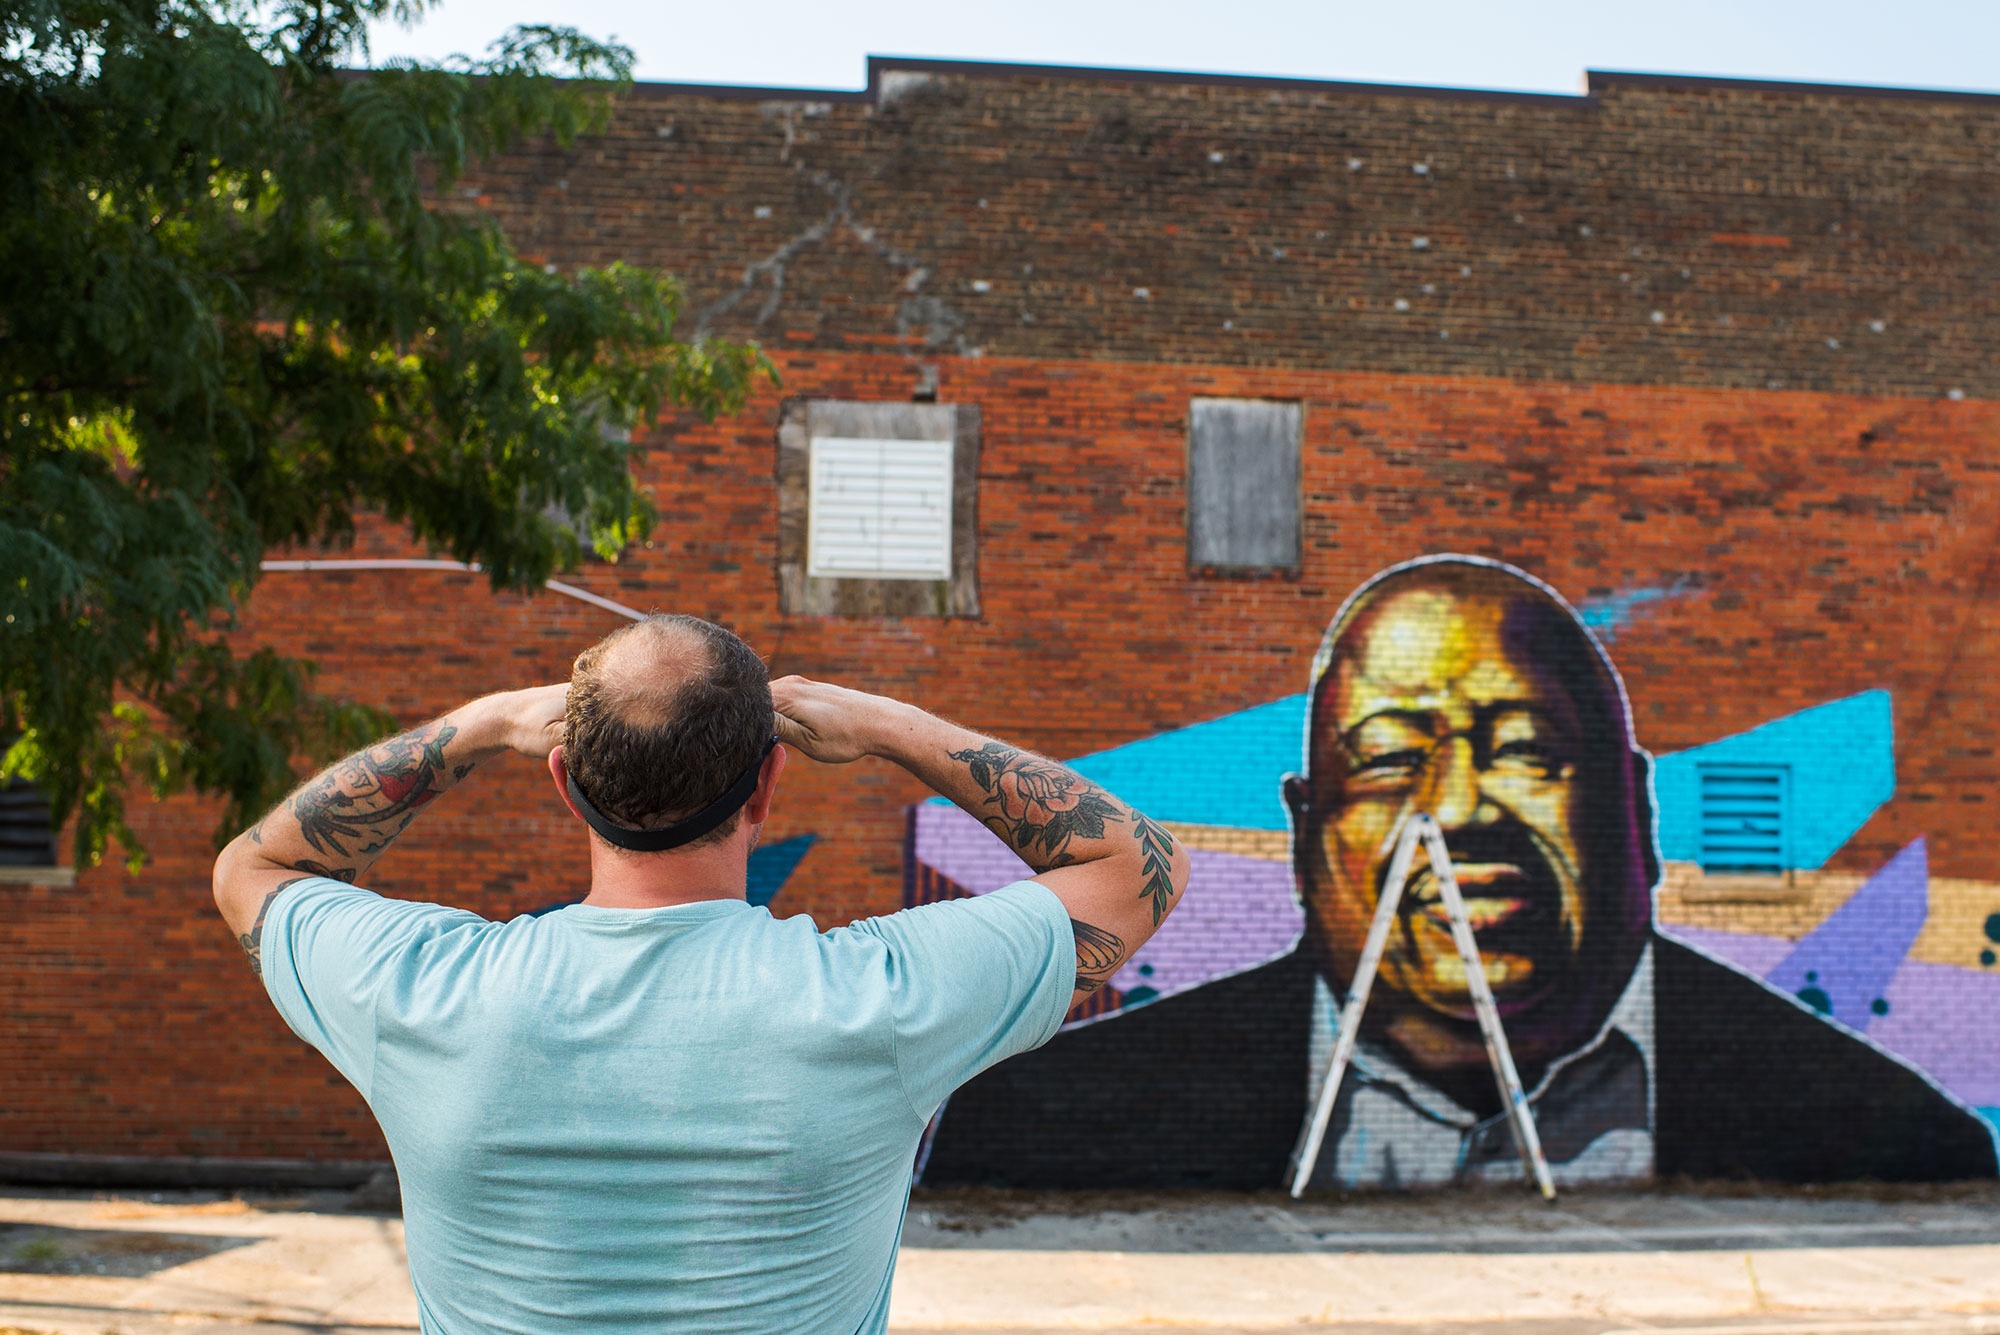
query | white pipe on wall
[413, 563]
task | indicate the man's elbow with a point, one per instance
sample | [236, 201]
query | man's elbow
[229, 868]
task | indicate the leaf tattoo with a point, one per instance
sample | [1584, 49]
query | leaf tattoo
[1098, 955]
[1156, 848]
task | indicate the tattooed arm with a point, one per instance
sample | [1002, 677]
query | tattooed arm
[1118, 872]
[346, 817]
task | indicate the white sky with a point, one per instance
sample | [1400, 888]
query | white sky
[1541, 45]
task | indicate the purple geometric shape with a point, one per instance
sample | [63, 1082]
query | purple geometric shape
[1946, 1020]
[1238, 912]
[1752, 952]
[954, 844]
[1942, 1019]
[1843, 967]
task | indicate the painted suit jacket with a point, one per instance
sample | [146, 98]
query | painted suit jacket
[1208, 1089]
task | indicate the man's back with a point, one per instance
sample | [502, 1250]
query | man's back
[696, 1117]
[661, 1109]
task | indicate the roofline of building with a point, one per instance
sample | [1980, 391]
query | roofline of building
[1595, 82]
[1598, 80]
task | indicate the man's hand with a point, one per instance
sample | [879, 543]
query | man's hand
[533, 719]
[832, 724]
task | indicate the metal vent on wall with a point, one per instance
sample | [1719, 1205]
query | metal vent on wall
[26, 837]
[1744, 809]
[879, 509]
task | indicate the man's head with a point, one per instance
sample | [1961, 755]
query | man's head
[664, 715]
[1469, 690]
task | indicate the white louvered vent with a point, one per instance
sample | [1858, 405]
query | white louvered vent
[879, 509]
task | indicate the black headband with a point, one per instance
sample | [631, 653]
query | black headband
[680, 832]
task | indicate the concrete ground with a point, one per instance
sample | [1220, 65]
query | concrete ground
[1695, 1262]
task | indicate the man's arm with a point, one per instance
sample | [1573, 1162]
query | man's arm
[1118, 873]
[344, 818]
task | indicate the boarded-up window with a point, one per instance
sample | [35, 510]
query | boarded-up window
[1243, 484]
[877, 508]
[1744, 813]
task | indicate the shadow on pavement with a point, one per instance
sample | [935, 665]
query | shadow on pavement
[49, 1249]
[1484, 1221]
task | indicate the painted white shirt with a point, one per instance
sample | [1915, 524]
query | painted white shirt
[1391, 1129]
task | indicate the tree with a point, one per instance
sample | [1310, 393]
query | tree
[233, 315]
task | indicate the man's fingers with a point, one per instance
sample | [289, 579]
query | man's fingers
[821, 719]
[793, 733]
[538, 714]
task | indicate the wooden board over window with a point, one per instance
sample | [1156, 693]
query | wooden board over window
[1243, 484]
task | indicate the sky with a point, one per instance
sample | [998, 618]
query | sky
[1531, 45]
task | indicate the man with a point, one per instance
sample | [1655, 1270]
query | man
[1470, 690]
[662, 1109]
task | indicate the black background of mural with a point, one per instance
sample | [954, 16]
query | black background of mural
[1203, 1089]
[1207, 1089]
[1752, 1084]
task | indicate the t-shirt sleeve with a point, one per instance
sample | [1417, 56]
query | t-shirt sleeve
[327, 949]
[974, 981]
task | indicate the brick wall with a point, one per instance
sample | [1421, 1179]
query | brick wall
[1261, 223]
[1079, 257]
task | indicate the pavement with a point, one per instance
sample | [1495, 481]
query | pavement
[1698, 1262]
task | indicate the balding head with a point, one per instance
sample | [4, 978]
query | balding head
[1469, 690]
[664, 715]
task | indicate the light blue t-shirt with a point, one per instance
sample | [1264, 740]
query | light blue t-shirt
[697, 1118]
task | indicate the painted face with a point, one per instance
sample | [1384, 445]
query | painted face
[1434, 703]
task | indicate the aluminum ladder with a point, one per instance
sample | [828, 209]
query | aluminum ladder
[1422, 828]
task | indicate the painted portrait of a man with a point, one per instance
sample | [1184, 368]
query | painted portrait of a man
[1468, 689]
[1471, 692]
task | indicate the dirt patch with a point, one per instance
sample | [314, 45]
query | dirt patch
[1888, 1192]
[976, 1209]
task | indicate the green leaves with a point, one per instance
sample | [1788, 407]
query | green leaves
[232, 314]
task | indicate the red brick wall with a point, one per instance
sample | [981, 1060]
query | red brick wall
[1777, 441]
[1830, 544]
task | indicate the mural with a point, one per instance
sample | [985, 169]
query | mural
[771, 865]
[1653, 1032]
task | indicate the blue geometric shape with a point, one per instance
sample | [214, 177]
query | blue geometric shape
[551, 908]
[1842, 757]
[1992, 1115]
[1222, 772]
[1843, 966]
[1226, 772]
[773, 864]
[1610, 613]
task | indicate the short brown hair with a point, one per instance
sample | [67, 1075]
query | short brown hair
[660, 729]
